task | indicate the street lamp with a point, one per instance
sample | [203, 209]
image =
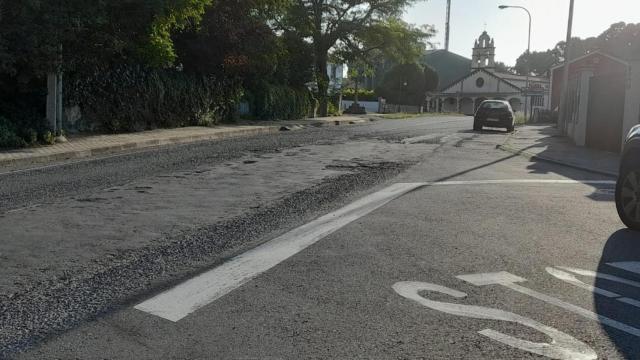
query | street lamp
[404, 88]
[526, 91]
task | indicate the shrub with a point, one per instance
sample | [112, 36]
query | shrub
[363, 95]
[271, 102]
[404, 84]
[22, 120]
[332, 108]
[134, 98]
[9, 136]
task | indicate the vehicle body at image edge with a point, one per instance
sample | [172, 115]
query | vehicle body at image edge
[494, 113]
[628, 184]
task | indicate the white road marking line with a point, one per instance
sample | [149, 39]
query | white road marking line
[631, 266]
[524, 181]
[571, 279]
[193, 294]
[603, 276]
[507, 280]
[178, 302]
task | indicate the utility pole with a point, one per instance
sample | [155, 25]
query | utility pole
[54, 104]
[446, 34]
[564, 97]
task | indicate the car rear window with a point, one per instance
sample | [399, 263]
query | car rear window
[494, 105]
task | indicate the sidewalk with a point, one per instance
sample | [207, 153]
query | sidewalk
[93, 145]
[544, 142]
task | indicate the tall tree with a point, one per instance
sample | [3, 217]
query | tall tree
[620, 39]
[348, 22]
[43, 35]
[502, 67]
[537, 62]
[404, 84]
[235, 39]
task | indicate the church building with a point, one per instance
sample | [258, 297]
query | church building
[480, 81]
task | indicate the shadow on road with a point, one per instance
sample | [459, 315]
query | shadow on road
[622, 246]
[547, 142]
[550, 144]
[485, 131]
[553, 144]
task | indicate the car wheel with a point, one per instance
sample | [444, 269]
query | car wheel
[476, 126]
[628, 197]
[510, 128]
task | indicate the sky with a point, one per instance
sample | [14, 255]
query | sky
[509, 27]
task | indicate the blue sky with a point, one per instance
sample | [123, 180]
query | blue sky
[509, 27]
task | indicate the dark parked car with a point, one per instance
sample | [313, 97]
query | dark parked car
[494, 113]
[628, 185]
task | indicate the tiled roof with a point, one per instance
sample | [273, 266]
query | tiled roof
[508, 76]
[470, 73]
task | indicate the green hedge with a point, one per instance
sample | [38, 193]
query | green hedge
[132, 98]
[363, 95]
[279, 102]
[22, 121]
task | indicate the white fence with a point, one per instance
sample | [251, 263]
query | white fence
[370, 106]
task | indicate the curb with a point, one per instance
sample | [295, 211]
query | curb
[174, 140]
[533, 156]
[144, 144]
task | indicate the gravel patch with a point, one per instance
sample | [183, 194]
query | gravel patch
[123, 277]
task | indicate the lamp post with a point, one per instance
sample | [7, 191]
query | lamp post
[404, 90]
[526, 91]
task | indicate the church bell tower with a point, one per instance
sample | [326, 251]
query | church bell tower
[484, 53]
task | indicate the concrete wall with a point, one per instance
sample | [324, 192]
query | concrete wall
[580, 123]
[579, 88]
[466, 106]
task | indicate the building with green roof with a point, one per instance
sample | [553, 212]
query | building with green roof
[449, 66]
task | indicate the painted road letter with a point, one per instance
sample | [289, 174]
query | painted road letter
[562, 346]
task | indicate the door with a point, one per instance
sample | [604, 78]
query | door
[605, 112]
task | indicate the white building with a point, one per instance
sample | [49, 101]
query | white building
[483, 82]
[337, 75]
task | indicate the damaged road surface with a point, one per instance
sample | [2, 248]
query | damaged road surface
[407, 239]
[81, 240]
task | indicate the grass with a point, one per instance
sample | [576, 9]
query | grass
[520, 119]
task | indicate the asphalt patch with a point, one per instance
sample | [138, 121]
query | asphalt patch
[71, 298]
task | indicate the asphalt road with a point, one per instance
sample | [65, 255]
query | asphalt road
[413, 239]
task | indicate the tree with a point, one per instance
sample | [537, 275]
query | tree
[502, 67]
[349, 23]
[538, 62]
[231, 40]
[236, 40]
[404, 84]
[620, 39]
[41, 36]
[357, 72]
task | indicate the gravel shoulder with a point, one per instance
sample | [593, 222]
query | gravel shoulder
[78, 247]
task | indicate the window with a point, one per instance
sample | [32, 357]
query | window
[480, 82]
[537, 100]
[494, 105]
